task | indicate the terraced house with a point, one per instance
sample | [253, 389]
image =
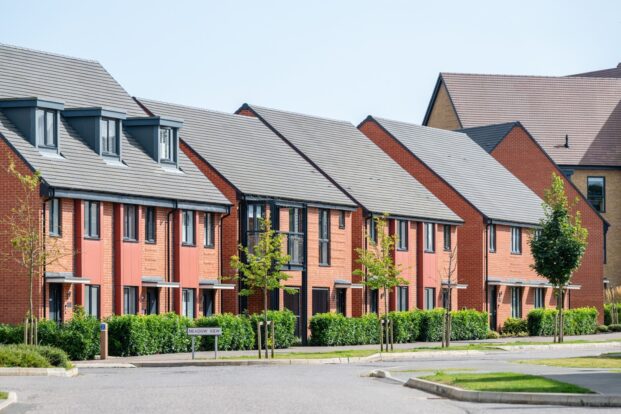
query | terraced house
[499, 211]
[422, 223]
[263, 177]
[575, 119]
[128, 207]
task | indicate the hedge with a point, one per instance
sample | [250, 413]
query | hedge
[578, 321]
[332, 329]
[607, 314]
[237, 333]
[515, 327]
[284, 328]
[406, 325]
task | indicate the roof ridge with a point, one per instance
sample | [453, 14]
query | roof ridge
[489, 125]
[198, 108]
[300, 114]
[560, 77]
[442, 130]
[43, 52]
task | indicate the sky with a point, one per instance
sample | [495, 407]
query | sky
[339, 59]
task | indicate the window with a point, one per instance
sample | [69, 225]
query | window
[54, 220]
[374, 301]
[91, 219]
[402, 235]
[209, 230]
[167, 149]
[109, 131]
[187, 309]
[149, 231]
[187, 234]
[430, 298]
[447, 237]
[341, 301]
[46, 128]
[540, 294]
[208, 302]
[372, 230]
[341, 219]
[130, 298]
[255, 214]
[321, 300]
[291, 301]
[274, 299]
[596, 193]
[130, 222]
[91, 300]
[295, 238]
[430, 238]
[492, 238]
[516, 302]
[152, 301]
[402, 298]
[445, 298]
[324, 237]
[536, 234]
[516, 240]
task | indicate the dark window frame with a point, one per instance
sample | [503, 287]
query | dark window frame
[447, 237]
[254, 214]
[188, 225]
[539, 295]
[403, 299]
[315, 304]
[42, 141]
[106, 140]
[324, 237]
[92, 230]
[602, 208]
[342, 219]
[403, 227]
[91, 310]
[209, 239]
[516, 302]
[295, 236]
[374, 301]
[429, 293]
[127, 303]
[166, 143]
[492, 238]
[373, 230]
[184, 307]
[150, 232]
[341, 300]
[430, 244]
[130, 210]
[55, 217]
[516, 240]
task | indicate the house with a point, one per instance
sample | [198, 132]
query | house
[516, 149]
[264, 177]
[500, 214]
[378, 186]
[575, 119]
[117, 197]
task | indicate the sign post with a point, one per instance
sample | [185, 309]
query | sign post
[103, 340]
[207, 331]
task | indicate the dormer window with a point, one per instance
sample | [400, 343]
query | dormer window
[167, 140]
[109, 130]
[47, 128]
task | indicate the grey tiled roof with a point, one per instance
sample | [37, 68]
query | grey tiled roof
[470, 170]
[250, 156]
[604, 73]
[85, 83]
[357, 165]
[587, 109]
[489, 136]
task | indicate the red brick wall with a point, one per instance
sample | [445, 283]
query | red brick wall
[527, 161]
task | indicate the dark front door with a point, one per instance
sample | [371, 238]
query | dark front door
[152, 301]
[493, 307]
[56, 302]
[208, 302]
[292, 302]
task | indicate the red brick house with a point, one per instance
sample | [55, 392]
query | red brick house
[263, 177]
[378, 185]
[499, 214]
[516, 149]
[126, 205]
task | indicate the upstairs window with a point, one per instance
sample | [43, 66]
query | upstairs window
[516, 240]
[167, 153]
[324, 237]
[149, 231]
[402, 235]
[447, 238]
[209, 230]
[492, 238]
[130, 222]
[187, 224]
[295, 237]
[341, 219]
[91, 219]
[54, 220]
[430, 237]
[255, 214]
[372, 230]
[596, 193]
[47, 130]
[109, 131]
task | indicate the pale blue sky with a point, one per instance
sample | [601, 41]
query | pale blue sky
[341, 59]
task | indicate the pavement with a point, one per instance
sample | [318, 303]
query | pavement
[287, 389]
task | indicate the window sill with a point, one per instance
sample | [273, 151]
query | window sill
[129, 240]
[492, 251]
[341, 228]
[402, 249]
[324, 264]
[92, 238]
[446, 250]
[55, 235]
[516, 253]
[209, 246]
[149, 242]
[429, 251]
[188, 245]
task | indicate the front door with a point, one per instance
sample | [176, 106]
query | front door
[56, 299]
[292, 302]
[152, 301]
[208, 302]
[493, 307]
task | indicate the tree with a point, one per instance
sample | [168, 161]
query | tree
[451, 267]
[259, 267]
[30, 249]
[380, 271]
[558, 247]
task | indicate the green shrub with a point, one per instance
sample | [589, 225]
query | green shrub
[284, 327]
[614, 327]
[515, 327]
[237, 333]
[11, 334]
[330, 329]
[579, 321]
[607, 313]
[602, 328]
[406, 325]
[22, 356]
[468, 324]
[431, 327]
[493, 335]
[79, 337]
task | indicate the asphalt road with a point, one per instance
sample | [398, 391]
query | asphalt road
[256, 389]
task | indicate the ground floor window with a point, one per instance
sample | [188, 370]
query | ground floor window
[56, 302]
[209, 302]
[341, 301]
[274, 299]
[430, 298]
[91, 300]
[516, 302]
[540, 294]
[321, 300]
[374, 301]
[402, 298]
[187, 309]
[291, 301]
[130, 299]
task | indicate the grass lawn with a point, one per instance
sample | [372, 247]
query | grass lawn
[505, 382]
[602, 361]
[315, 355]
[4, 395]
[469, 347]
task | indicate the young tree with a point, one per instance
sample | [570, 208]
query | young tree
[259, 267]
[30, 249]
[380, 271]
[559, 245]
[451, 267]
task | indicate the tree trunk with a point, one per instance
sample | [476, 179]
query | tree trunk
[30, 339]
[386, 317]
[265, 320]
[561, 321]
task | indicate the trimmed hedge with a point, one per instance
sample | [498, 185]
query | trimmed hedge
[407, 325]
[607, 313]
[237, 333]
[33, 356]
[515, 327]
[578, 321]
[332, 329]
[284, 328]
[468, 324]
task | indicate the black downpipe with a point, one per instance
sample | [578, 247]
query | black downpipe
[304, 295]
[242, 301]
[365, 291]
[221, 255]
[169, 256]
[44, 290]
[486, 244]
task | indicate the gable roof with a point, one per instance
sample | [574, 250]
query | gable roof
[604, 73]
[470, 171]
[587, 109]
[357, 165]
[250, 156]
[85, 83]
